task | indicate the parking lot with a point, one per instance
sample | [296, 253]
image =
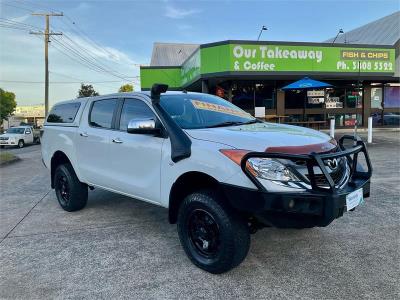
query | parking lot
[121, 248]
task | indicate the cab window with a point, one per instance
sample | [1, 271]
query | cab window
[134, 109]
[102, 112]
[28, 131]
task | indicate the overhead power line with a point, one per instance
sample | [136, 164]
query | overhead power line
[16, 6]
[78, 55]
[59, 82]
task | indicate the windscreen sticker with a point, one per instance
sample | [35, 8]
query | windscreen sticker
[219, 108]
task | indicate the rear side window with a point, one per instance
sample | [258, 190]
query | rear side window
[101, 114]
[63, 113]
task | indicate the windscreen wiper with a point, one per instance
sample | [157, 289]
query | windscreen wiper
[228, 123]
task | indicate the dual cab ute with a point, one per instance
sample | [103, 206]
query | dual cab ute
[221, 173]
[19, 136]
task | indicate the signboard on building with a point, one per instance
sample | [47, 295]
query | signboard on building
[29, 111]
[281, 58]
[315, 100]
[314, 93]
[333, 102]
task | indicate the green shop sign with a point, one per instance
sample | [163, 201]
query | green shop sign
[281, 58]
[233, 57]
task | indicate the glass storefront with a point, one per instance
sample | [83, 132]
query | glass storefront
[392, 97]
[246, 95]
[376, 97]
[344, 103]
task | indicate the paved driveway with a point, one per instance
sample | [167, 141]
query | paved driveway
[121, 248]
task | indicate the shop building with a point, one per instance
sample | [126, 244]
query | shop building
[26, 114]
[362, 66]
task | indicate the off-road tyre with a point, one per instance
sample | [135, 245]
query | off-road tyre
[71, 194]
[232, 244]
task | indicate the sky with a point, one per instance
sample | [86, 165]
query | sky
[104, 42]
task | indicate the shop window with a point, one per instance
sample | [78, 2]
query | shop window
[243, 96]
[295, 99]
[246, 95]
[339, 120]
[351, 119]
[392, 97]
[376, 98]
[387, 119]
[294, 118]
[319, 117]
[354, 98]
[265, 96]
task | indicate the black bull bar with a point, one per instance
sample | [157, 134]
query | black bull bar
[315, 159]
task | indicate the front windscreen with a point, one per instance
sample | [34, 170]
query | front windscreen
[16, 130]
[192, 111]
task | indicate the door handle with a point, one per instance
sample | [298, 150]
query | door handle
[117, 141]
[84, 134]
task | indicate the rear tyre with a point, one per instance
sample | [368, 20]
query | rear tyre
[21, 144]
[213, 236]
[71, 193]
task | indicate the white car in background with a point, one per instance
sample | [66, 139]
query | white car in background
[221, 173]
[19, 136]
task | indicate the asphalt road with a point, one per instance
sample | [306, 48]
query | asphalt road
[122, 248]
[27, 149]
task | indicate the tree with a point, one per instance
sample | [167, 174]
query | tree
[7, 104]
[126, 88]
[87, 90]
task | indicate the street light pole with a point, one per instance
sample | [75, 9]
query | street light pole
[262, 29]
[339, 32]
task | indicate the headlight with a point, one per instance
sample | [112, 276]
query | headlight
[270, 169]
[262, 168]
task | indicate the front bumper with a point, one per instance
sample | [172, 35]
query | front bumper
[318, 206]
[8, 143]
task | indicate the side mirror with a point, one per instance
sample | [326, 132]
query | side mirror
[143, 126]
[28, 132]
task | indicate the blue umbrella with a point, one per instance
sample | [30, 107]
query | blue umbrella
[306, 83]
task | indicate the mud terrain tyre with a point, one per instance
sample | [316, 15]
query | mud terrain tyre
[214, 237]
[71, 194]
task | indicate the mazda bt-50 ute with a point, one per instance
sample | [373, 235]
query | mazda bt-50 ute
[221, 173]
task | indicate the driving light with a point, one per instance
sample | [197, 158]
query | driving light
[270, 169]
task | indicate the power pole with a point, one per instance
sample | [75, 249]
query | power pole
[47, 33]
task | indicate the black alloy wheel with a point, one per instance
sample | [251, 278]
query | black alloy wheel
[62, 187]
[204, 233]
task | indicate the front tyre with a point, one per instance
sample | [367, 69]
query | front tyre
[214, 237]
[21, 144]
[71, 193]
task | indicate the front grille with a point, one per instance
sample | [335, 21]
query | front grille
[337, 176]
[3, 138]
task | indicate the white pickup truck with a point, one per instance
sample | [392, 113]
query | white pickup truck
[19, 136]
[221, 173]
